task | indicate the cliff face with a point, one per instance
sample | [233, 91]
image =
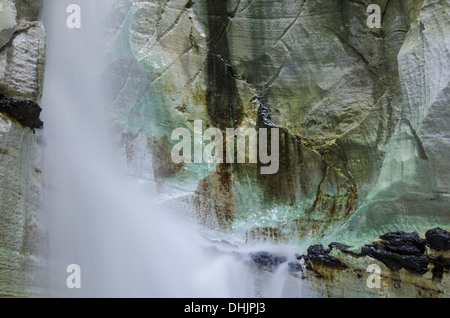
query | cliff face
[412, 190]
[364, 134]
[363, 131]
[22, 59]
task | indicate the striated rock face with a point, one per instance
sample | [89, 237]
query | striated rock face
[412, 189]
[22, 58]
[363, 130]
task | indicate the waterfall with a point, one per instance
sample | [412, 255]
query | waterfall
[124, 242]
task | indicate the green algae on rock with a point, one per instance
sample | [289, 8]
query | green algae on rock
[358, 156]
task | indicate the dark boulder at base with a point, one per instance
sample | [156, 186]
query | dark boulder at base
[403, 243]
[25, 112]
[400, 250]
[438, 239]
[317, 254]
[396, 250]
[267, 260]
[414, 263]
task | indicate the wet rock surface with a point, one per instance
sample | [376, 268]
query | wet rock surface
[396, 250]
[438, 239]
[408, 266]
[407, 250]
[414, 263]
[267, 261]
[403, 243]
[253, 65]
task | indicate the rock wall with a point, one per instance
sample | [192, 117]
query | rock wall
[346, 98]
[412, 190]
[22, 60]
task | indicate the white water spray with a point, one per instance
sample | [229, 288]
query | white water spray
[125, 244]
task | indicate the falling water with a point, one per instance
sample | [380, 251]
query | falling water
[125, 243]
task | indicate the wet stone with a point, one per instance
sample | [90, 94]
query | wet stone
[403, 243]
[438, 239]
[318, 254]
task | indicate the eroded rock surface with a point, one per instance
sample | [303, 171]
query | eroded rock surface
[356, 124]
[22, 58]
[412, 190]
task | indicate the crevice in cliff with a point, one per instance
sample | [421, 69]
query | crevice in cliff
[274, 78]
[224, 105]
[176, 21]
[358, 2]
[225, 109]
[420, 149]
[289, 27]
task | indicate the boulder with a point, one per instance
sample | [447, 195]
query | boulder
[24, 111]
[22, 62]
[438, 239]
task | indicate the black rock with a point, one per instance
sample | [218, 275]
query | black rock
[341, 247]
[338, 246]
[317, 250]
[268, 260]
[403, 243]
[414, 263]
[396, 250]
[440, 265]
[26, 112]
[264, 118]
[438, 239]
[317, 254]
[400, 250]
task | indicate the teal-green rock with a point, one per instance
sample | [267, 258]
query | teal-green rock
[411, 191]
[360, 110]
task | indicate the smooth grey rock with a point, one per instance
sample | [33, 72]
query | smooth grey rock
[22, 63]
[8, 22]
